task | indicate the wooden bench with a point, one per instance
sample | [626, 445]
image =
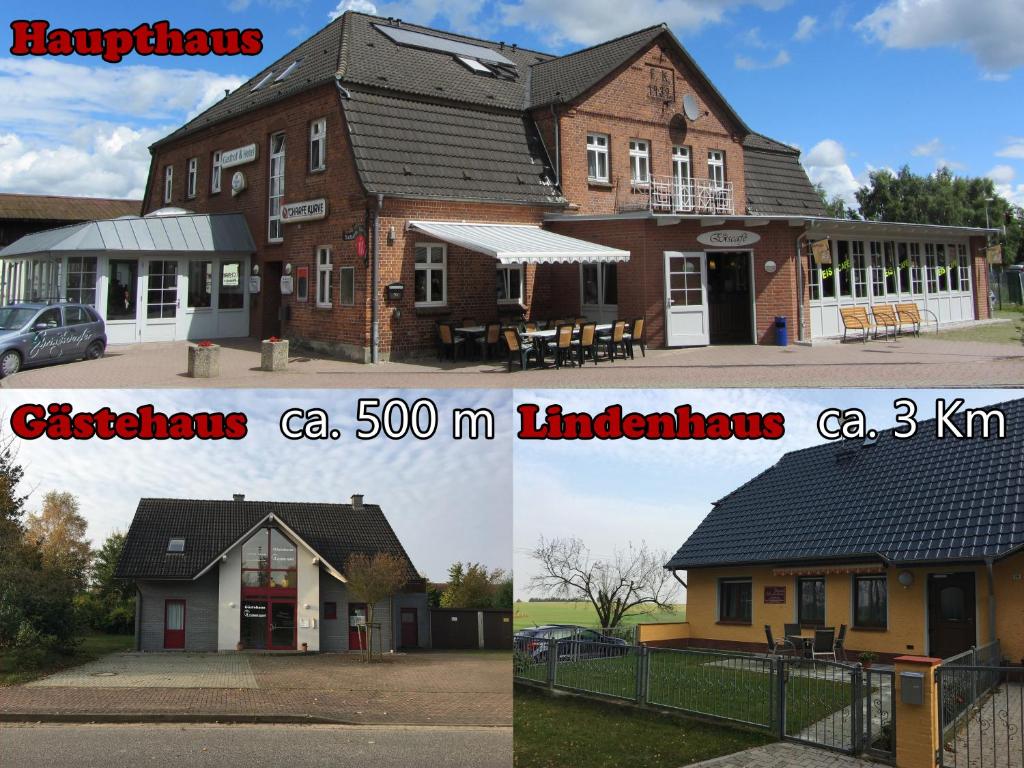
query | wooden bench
[909, 314]
[855, 319]
[885, 317]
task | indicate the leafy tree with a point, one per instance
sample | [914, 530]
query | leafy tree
[631, 578]
[835, 206]
[109, 605]
[473, 586]
[58, 530]
[373, 579]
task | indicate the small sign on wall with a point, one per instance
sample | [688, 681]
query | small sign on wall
[822, 252]
[774, 595]
[287, 285]
[728, 238]
[254, 283]
[308, 210]
[302, 283]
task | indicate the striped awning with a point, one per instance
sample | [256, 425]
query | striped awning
[519, 243]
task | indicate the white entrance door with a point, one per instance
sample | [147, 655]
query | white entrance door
[599, 290]
[160, 304]
[686, 299]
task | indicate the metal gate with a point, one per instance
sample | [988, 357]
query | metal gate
[981, 716]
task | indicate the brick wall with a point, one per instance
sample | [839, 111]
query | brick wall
[982, 307]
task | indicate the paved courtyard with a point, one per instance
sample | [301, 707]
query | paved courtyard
[430, 688]
[785, 755]
[908, 361]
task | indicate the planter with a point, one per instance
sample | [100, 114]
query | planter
[274, 355]
[204, 361]
[239, 646]
[305, 647]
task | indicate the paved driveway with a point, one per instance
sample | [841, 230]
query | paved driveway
[429, 688]
[903, 363]
[785, 755]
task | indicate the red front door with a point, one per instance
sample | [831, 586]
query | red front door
[410, 630]
[174, 624]
[356, 624]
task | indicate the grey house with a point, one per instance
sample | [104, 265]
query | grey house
[219, 575]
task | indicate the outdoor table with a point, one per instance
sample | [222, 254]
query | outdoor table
[803, 644]
[471, 332]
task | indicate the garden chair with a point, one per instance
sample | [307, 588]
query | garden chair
[840, 646]
[776, 647]
[449, 343]
[488, 343]
[635, 337]
[885, 317]
[909, 314]
[579, 321]
[530, 326]
[855, 319]
[824, 644]
[614, 340]
[518, 350]
[562, 345]
[586, 343]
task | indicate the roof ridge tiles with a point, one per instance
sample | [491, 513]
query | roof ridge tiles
[662, 26]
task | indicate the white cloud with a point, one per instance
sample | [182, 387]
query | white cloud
[805, 28]
[826, 165]
[953, 165]
[927, 149]
[361, 6]
[1003, 176]
[995, 77]
[991, 30]
[1014, 149]
[745, 62]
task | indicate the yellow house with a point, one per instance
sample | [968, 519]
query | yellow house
[916, 545]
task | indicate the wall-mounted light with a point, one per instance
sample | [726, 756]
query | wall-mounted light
[288, 269]
[231, 605]
[255, 269]
[391, 235]
[906, 578]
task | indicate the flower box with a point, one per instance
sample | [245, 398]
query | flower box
[274, 354]
[204, 360]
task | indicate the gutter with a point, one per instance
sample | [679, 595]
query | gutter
[800, 335]
[675, 575]
[375, 285]
[558, 145]
[991, 599]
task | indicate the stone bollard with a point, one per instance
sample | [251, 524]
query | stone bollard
[274, 354]
[204, 360]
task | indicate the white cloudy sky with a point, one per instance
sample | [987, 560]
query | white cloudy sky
[447, 500]
[611, 493]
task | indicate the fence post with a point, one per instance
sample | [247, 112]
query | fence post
[641, 675]
[918, 736]
[974, 678]
[552, 662]
[857, 737]
[780, 694]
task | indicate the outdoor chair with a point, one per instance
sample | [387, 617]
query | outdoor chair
[580, 321]
[562, 345]
[449, 343]
[488, 343]
[855, 319]
[586, 343]
[824, 644]
[635, 337]
[909, 314]
[885, 317]
[614, 340]
[518, 350]
[530, 326]
[776, 647]
[791, 630]
[840, 646]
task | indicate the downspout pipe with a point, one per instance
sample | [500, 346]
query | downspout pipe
[800, 335]
[675, 575]
[375, 285]
[558, 145]
[989, 569]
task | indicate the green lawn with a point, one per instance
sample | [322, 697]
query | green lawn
[534, 614]
[999, 333]
[567, 732]
[90, 649]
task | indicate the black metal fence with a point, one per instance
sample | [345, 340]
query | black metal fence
[827, 704]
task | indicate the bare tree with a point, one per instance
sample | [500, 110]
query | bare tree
[372, 579]
[632, 577]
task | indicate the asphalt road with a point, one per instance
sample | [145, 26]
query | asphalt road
[252, 746]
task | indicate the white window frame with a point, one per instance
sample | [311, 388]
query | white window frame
[275, 227]
[83, 267]
[505, 271]
[430, 267]
[168, 183]
[215, 173]
[323, 276]
[716, 168]
[965, 268]
[597, 147]
[318, 145]
[193, 177]
[639, 160]
[341, 297]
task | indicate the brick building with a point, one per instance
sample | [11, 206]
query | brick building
[483, 180]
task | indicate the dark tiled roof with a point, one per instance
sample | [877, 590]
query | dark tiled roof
[447, 151]
[775, 181]
[209, 527]
[55, 208]
[920, 499]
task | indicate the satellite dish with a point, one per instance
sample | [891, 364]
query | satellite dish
[690, 107]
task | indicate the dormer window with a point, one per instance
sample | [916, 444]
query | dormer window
[176, 545]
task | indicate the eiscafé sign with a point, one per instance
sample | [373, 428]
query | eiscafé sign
[304, 211]
[728, 238]
[238, 156]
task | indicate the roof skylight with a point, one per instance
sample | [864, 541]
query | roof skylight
[408, 37]
[176, 545]
[288, 70]
[475, 65]
[263, 81]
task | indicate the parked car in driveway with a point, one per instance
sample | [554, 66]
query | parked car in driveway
[36, 334]
[574, 642]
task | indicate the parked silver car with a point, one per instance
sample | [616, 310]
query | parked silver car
[36, 334]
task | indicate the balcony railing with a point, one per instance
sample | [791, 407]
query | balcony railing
[665, 194]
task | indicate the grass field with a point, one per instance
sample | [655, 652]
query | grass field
[533, 614]
[566, 732]
[90, 649]
[999, 333]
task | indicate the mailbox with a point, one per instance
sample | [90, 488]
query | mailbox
[395, 291]
[912, 687]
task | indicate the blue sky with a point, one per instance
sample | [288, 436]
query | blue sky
[447, 500]
[856, 85]
[613, 493]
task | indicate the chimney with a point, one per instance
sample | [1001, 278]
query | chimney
[357, 500]
[238, 496]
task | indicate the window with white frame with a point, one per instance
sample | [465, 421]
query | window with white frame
[860, 269]
[681, 175]
[510, 283]
[889, 252]
[323, 276]
[597, 157]
[903, 262]
[916, 286]
[215, 173]
[965, 268]
[931, 273]
[168, 183]
[318, 144]
[82, 280]
[347, 286]
[844, 268]
[877, 269]
[431, 285]
[639, 161]
[941, 268]
[275, 232]
[193, 176]
[716, 167]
